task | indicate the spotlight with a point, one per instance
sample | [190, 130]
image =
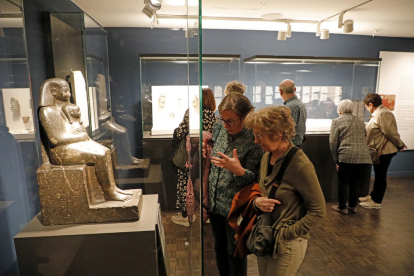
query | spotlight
[281, 35]
[151, 7]
[347, 26]
[318, 29]
[325, 34]
[288, 30]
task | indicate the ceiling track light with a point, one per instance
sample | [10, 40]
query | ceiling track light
[281, 35]
[347, 26]
[318, 29]
[288, 30]
[151, 7]
[325, 34]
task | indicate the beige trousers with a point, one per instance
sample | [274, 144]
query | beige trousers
[285, 264]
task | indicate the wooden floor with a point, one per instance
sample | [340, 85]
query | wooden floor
[371, 242]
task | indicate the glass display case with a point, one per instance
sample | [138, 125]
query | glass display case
[321, 83]
[19, 159]
[164, 96]
[16, 110]
[97, 74]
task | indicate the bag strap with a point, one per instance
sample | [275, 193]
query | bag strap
[281, 172]
[347, 130]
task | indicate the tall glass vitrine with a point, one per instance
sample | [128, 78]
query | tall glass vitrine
[321, 83]
[19, 158]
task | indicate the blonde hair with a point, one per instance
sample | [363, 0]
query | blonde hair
[274, 121]
[234, 86]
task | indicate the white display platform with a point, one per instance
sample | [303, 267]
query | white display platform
[396, 84]
[94, 108]
[318, 125]
[168, 111]
[80, 96]
[14, 120]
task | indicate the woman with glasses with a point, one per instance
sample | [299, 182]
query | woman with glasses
[299, 203]
[234, 144]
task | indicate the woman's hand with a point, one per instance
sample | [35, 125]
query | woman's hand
[337, 167]
[403, 148]
[230, 164]
[266, 204]
[204, 147]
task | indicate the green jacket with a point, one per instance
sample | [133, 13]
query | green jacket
[223, 184]
[302, 201]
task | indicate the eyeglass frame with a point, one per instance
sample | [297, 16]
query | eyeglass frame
[231, 123]
[258, 136]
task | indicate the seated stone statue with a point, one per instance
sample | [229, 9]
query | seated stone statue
[67, 140]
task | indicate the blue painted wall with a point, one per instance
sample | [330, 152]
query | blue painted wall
[126, 44]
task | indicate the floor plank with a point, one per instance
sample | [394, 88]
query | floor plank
[370, 242]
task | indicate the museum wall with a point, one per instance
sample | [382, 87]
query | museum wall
[126, 44]
[19, 157]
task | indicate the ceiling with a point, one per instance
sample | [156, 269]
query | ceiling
[391, 17]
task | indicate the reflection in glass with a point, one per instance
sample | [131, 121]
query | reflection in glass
[18, 154]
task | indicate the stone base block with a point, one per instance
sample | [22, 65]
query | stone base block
[72, 195]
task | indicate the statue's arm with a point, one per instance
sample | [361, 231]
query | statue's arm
[57, 129]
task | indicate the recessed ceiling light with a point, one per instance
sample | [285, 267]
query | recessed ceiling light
[271, 16]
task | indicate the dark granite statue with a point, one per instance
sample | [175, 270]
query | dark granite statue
[70, 143]
[77, 173]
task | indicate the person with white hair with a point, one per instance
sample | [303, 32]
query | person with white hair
[351, 154]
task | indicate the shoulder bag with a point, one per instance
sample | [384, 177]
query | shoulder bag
[181, 155]
[261, 240]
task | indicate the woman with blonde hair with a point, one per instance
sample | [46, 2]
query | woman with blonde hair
[298, 204]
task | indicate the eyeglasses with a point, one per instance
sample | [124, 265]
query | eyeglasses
[228, 122]
[258, 136]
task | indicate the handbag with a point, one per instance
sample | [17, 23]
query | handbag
[181, 155]
[261, 240]
[374, 156]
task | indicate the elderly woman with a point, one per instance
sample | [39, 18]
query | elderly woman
[382, 135]
[236, 159]
[351, 154]
[301, 204]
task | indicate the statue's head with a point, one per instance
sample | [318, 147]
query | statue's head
[53, 88]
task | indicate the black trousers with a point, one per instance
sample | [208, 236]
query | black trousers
[380, 183]
[224, 247]
[350, 178]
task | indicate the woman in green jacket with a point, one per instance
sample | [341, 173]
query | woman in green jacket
[299, 203]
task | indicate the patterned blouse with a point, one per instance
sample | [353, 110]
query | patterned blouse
[208, 121]
[223, 184]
